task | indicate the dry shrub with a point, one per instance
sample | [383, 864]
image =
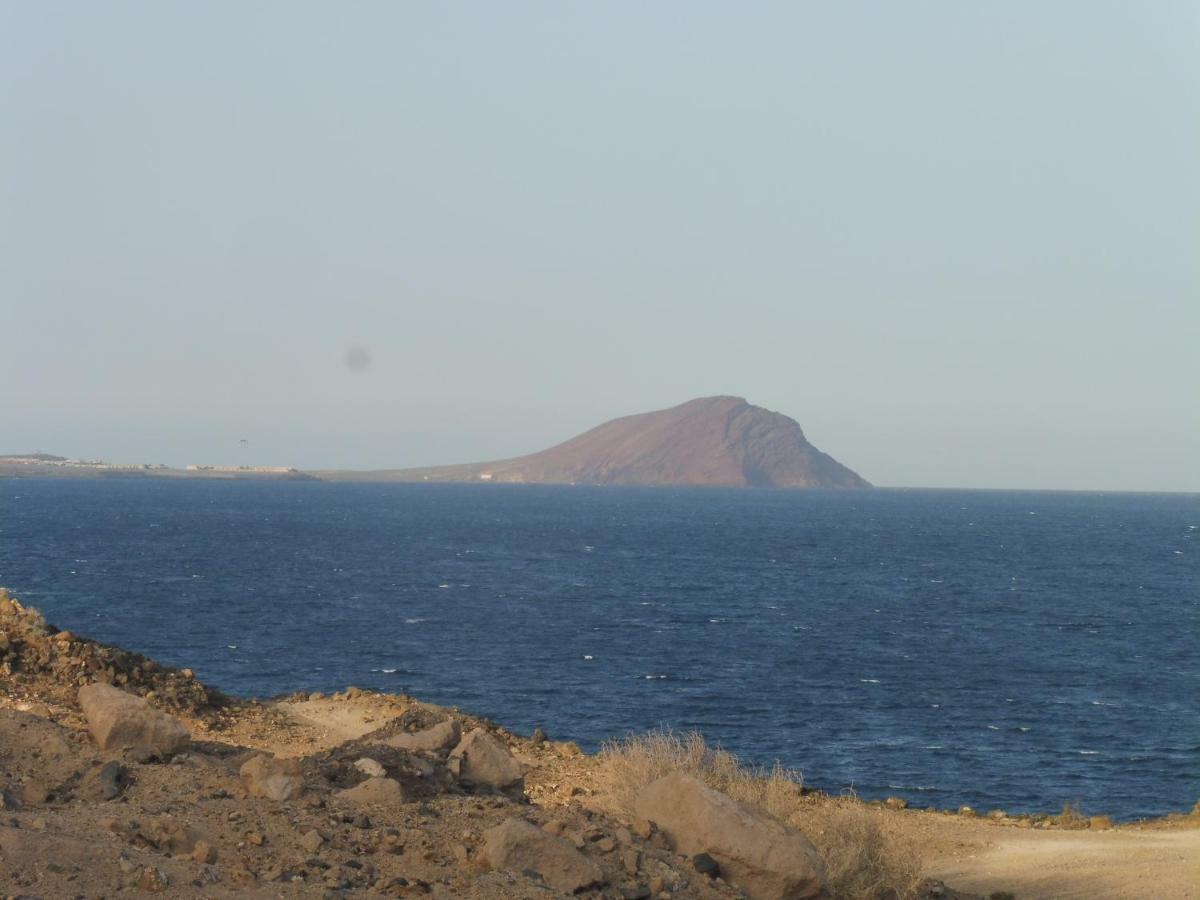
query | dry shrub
[863, 859]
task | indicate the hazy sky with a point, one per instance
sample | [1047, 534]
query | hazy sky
[959, 242]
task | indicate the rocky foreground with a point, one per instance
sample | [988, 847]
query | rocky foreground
[118, 775]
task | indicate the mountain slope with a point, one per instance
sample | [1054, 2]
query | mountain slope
[718, 441]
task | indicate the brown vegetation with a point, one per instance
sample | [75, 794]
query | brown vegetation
[863, 859]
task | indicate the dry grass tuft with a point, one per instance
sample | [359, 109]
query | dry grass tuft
[864, 860]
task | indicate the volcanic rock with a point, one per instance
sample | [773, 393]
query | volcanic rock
[710, 441]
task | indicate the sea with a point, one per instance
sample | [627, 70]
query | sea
[997, 649]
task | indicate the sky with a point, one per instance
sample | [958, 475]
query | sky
[958, 242]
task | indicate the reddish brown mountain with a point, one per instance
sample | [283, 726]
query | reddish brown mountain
[711, 441]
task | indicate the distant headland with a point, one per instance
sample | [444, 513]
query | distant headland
[711, 441]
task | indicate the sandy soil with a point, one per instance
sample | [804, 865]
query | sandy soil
[75, 846]
[1160, 861]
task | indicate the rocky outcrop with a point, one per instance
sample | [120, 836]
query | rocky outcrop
[272, 779]
[31, 650]
[118, 720]
[520, 847]
[442, 736]
[375, 790]
[717, 441]
[482, 762]
[758, 854]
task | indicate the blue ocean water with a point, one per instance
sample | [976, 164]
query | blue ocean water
[999, 649]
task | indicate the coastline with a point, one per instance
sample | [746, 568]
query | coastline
[42, 669]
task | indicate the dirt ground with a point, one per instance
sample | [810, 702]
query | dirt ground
[72, 846]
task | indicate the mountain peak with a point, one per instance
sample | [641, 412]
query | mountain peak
[718, 441]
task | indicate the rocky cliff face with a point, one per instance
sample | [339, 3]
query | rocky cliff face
[717, 441]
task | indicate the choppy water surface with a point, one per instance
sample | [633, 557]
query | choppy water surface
[1002, 649]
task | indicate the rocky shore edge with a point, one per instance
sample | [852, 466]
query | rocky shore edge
[121, 775]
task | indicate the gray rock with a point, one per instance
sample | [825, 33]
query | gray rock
[113, 779]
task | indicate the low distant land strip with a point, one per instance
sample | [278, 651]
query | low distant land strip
[711, 441]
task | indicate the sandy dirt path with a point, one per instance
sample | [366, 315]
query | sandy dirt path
[1121, 864]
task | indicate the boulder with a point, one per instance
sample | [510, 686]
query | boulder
[441, 736]
[481, 761]
[375, 790]
[755, 853]
[117, 719]
[519, 846]
[372, 768]
[272, 779]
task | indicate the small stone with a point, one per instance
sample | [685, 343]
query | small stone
[538, 738]
[111, 824]
[272, 779]
[997, 814]
[631, 860]
[706, 865]
[967, 811]
[316, 695]
[253, 837]
[370, 767]
[643, 828]
[311, 841]
[462, 853]
[606, 845]
[113, 778]
[375, 790]
[204, 852]
[554, 826]
[153, 879]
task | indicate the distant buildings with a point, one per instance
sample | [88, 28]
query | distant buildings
[269, 470]
[42, 459]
